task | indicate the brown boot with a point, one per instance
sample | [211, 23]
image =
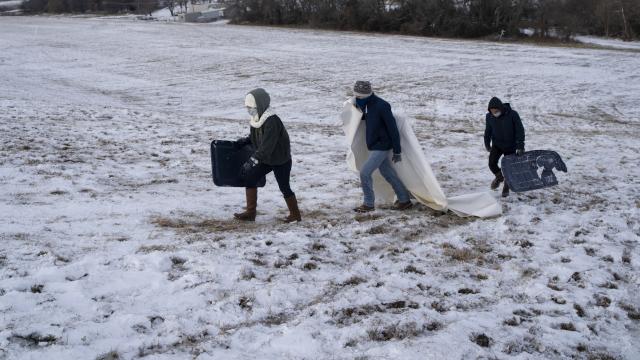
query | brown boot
[364, 209]
[401, 206]
[294, 212]
[252, 203]
[505, 190]
[496, 182]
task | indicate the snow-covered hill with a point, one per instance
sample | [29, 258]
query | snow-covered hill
[611, 43]
[114, 241]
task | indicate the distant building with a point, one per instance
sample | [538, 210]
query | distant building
[211, 15]
[204, 13]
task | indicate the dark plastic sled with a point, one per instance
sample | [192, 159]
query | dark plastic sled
[532, 170]
[226, 163]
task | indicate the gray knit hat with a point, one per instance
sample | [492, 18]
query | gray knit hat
[362, 89]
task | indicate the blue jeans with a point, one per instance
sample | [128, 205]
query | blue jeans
[380, 160]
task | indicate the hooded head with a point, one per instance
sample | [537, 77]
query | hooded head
[496, 103]
[258, 99]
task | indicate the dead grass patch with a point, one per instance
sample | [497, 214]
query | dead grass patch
[33, 339]
[396, 332]
[354, 281]
[367, 217]
[146, 249]
[413, 269]
[196, 225]
[461, 254]
[111, 355]
[482, 340]
[377, 230]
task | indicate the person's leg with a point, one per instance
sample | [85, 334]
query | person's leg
[389, 173]
[494, 157]
[505, 187]
[251, 192]
[283, 177]
[283, 174]
[366, 181]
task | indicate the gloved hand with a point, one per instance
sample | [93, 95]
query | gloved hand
[249, 165]
[488, 148]
[519, 152]
[396, 158]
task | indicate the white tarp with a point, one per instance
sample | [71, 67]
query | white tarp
[414, 170]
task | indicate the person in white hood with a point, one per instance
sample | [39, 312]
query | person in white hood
[270, 140]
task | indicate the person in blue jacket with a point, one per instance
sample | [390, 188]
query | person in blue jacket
[503, 135]
[383, 143]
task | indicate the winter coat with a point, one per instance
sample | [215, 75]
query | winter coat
[270, 139]
[505, 132]
[381, 130]
[271, 142]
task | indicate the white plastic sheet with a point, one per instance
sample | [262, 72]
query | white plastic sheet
[414, 170]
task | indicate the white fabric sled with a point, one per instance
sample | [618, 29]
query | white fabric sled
[414, 170]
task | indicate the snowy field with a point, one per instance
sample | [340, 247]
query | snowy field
[114, 242]
[610, 43]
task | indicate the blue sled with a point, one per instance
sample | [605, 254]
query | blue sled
[532, 170]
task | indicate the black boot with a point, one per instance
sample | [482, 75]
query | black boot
[496, 182]
[505, 190]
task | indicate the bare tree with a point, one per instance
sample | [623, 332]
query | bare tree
[171, 5]
[626, 34]
[184, 3]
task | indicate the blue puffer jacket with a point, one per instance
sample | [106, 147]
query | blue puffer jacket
[505, 132]
[382, 130]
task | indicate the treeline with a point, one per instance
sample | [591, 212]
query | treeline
[94, 6]
[450, 18]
